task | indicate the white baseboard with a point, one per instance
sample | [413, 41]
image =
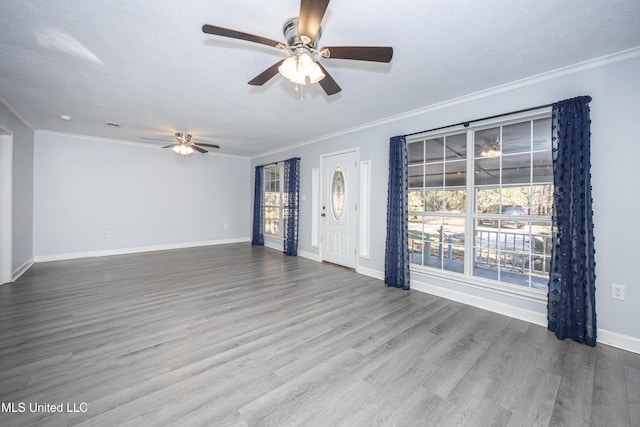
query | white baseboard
[486, 304]
[309, 255]
[22, 269]
[273, 245]
[614, 339]
[376, 274]
[304, 254]
[139, 249]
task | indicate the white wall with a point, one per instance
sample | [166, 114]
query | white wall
[615, 88]
[22, 188]
[145, 197]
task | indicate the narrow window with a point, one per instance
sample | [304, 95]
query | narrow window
[273, 200]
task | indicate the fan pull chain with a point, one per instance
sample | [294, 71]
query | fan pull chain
[300, 88]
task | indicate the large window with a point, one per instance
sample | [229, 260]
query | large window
[480, 202]
[273, 200]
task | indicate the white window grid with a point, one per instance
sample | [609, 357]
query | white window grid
[272, 183]
[468, 247]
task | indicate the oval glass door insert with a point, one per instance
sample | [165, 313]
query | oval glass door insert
[337, 194]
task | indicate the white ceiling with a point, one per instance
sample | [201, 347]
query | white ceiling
[147, 65]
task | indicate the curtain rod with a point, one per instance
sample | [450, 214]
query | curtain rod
[468, 122]
[279, 162]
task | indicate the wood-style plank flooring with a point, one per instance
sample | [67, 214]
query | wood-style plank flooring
[239, 335]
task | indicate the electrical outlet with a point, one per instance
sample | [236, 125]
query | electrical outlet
[107, 232]
[226, 226]
[617, 291]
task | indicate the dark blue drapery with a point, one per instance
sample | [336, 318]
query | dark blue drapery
[396, 260]
[258, 209]
[571, 299]
[291, 204]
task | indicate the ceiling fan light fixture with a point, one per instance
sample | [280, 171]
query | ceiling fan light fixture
[288, 68]
[316, 75]
[299, 78]
[305, 64]
[183, 149]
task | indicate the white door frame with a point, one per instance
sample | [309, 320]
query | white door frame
[6, 206]
[321, 225]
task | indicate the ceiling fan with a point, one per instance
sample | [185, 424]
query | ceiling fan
[184, 145]
[302, 35]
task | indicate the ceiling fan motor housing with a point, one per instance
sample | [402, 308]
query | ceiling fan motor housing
[183, 137]
[295, 39]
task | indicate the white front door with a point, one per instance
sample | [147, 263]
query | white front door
[338, 208]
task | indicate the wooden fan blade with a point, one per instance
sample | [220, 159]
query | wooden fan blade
[167, 146]
[206, 145]
[266, 75]
[361, 53]
[311, 14]
[198, 149]
[225, 32]
[328, 84]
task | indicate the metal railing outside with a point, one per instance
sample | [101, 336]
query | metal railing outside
[515, 252]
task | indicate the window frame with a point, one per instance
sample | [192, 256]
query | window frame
[280, 173]
[467, 276]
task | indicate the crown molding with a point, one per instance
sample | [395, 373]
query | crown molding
[123, 142]
[527, 81]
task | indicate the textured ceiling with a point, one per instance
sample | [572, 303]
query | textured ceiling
[147, 65]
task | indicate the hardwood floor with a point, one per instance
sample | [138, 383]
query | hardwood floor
[239, 335]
